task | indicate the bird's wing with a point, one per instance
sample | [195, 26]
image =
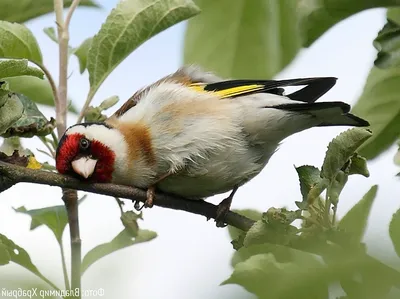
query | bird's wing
[313, 88]
[201, 81]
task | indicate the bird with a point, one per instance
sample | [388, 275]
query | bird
[194, 135]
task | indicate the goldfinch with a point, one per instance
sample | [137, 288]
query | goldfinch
[195, 135]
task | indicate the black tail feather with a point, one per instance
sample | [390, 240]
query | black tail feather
[357, 122]
[330, 113]
[313, 106]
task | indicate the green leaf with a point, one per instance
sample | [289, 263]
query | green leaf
[129, 25]
[317, 16]
[388, 44]
[355, 221]
[388, 41]
[129, 220]
[122, 240]
[10, 145]
[393, 14]
[358, 165]
[39, 91]
[380, 105]
[13, 68]
[311, 185]
[262, 232]
[17, 41]
[11, 110]
[264, 276]
[394, 231]
[396, 158]
[243, 39]
[309, 176]
[336, 186]
[249, 213]
[31, 123]
[341, 148]
[34, 88]
[51, 33]
[94, 114]
[55, 218]
[5, 257]
[19, 256]
[23, 10]
[282, 254]
[82, 53]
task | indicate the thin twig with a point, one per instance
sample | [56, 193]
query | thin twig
[58, 9]
[51, 81]
[16, 174]
[71, 10]
[63, 39]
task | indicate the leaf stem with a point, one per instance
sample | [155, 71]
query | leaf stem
[334, 215]
[120, 203]
[64, 265]
[327, 205]
[51, 151]
[48, 282]
[55, 140]
[85, 106]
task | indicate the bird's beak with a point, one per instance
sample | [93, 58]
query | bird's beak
[84, 166]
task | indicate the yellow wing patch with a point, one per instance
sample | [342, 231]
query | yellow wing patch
[229, 92]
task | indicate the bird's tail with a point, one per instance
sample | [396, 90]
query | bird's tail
[329, 113]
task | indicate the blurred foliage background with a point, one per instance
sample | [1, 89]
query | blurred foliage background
[303, 253]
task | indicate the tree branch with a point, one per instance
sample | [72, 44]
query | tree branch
[17, 174]
[70, 197]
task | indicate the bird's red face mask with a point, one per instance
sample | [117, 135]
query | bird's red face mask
[87, 159]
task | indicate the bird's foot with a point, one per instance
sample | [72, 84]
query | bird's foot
[223, 209]
[151, 194]
[149, 202]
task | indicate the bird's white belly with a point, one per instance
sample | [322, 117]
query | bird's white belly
[218, 174]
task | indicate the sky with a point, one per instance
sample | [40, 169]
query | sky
[191, 257]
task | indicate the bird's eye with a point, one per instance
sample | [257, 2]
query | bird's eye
[84, 144]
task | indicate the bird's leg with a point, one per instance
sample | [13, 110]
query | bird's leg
[151, 191]
[223, 208]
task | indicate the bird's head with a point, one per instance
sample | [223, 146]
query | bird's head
[89, 151]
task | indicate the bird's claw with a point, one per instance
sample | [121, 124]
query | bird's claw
[222, 210]
[151, 193]
[137, 205]
[149, 202]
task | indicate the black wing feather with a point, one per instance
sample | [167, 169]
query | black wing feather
[313, 90]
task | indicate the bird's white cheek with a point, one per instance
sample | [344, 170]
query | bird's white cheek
[84, 166]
